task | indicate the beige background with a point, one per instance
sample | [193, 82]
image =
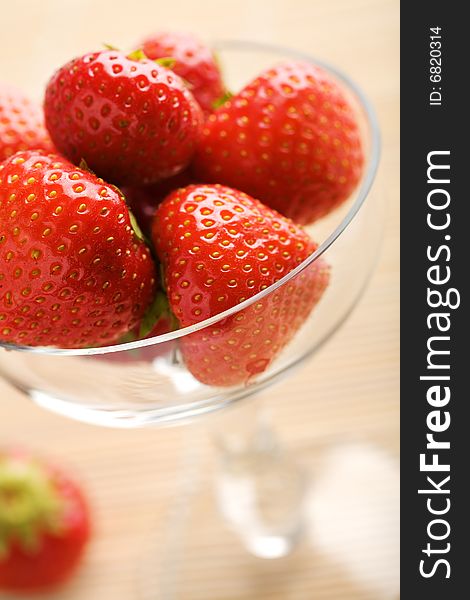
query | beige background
[346, 395]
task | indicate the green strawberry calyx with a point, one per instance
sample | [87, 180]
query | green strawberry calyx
[133, 221]
[168, 62]
[30, 505]
[159, 309]
[83, 165]
[135, 227]
[218, 102]
[137, 55]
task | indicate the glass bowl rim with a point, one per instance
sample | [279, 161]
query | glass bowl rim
[362, 193]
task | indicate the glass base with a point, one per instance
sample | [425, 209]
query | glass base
[344, 543]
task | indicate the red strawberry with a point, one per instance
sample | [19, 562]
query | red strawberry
[143, 201]
[219, 247]
[157, 321]
[133, 121]
[289, 138]
[195, 63]
[72, 271]
[21, 124]
[44, 524]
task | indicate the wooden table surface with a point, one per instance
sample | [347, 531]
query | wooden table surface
[346, 398]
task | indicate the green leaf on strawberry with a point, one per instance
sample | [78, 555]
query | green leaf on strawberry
[135, 227]
[167, 62]
[158, 311]
[137, 55]
[222, 100]
[195, 63]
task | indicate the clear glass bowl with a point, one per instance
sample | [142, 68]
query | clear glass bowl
[146, 383]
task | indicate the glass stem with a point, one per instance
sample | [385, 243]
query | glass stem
[260, 489]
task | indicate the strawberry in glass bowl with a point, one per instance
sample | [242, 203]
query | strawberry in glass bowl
[260, 253]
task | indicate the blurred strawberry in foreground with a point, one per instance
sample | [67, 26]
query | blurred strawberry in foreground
[289, 138]
[21, 124]
[44, 524]
[73, 272]
[219, 247]
[195, 63]
[132, 120]
[143, 201]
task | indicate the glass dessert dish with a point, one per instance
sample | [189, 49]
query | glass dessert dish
[146, 383]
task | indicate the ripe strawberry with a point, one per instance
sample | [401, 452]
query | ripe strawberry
[219, 247]
[21, 124]
[133, 121]
[195, 63]
[157, 321]
[143, 201]
[44, 524]
[72, 271]
[290, 138]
